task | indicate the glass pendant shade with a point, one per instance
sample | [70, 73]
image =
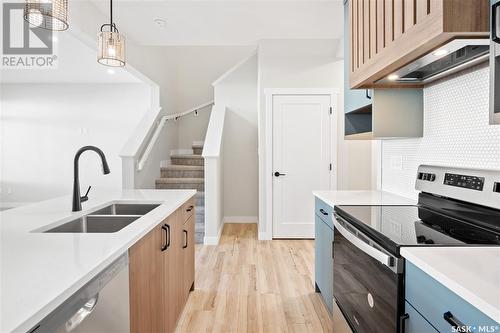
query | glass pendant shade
[111, 49]
[47, 14]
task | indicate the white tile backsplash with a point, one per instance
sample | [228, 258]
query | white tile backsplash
[456, 132]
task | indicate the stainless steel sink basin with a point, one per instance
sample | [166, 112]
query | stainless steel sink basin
[95, 224]
[125, 209]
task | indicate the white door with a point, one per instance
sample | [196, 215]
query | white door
[301, 161]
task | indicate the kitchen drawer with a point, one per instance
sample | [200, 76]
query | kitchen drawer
[415, 323]
[187, 209]
[323, 261]
[433, 300]
[324, 211]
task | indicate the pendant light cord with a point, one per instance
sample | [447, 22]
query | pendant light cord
[111, 13]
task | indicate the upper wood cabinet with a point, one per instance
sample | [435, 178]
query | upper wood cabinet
[385, 35]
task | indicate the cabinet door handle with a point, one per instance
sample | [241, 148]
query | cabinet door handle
[164, 246]
[368, 94]
[190, 208]
[402, 320]
[322, 211]
[454, 322]
[168, 235]
[494, 24]
[186, 235]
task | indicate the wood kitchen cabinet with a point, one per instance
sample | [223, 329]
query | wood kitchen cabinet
[146, 274]
[188, 255]
[385, 35]
[161, 273]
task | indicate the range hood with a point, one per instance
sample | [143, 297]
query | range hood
[450, 58]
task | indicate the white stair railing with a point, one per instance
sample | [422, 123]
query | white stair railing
[212, 154]
[161, 123]
[138, 149]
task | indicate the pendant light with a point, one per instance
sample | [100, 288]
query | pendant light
[111, 43]
[47, 14]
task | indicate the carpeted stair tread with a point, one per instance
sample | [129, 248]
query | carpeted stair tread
[180, 180]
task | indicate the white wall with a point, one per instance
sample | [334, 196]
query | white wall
[195, 68]
[456, 133]
[43, 125]
[185, 75]
[238, 93]
[309, 64]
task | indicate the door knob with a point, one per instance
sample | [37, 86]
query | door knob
[277, 174]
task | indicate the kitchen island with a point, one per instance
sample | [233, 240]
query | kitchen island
[39, 271]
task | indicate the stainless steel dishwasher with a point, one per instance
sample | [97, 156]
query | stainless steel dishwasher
[101, 306]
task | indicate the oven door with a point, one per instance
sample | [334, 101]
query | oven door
[367, 282]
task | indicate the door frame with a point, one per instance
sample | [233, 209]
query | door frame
[267, 213]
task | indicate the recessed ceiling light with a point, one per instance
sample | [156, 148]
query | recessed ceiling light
[440, 52]
[110, 71]
[160, 22]
[393, 77]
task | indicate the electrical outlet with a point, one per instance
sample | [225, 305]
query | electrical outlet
[397, 162]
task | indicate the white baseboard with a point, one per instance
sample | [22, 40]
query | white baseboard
[240, 219]
[265, 236]
[213, 240]
[181, 152]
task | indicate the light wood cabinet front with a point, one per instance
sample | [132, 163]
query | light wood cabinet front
[146, 288]
[188, 256]
[385, 35]
[161, 269]
[172, 266]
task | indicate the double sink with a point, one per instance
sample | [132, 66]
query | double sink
[108, 219]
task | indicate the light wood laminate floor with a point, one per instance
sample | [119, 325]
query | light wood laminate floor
[246, 285]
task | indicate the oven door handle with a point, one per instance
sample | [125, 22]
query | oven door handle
[385, 259]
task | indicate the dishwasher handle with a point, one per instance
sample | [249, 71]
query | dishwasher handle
[385, 259]
[81, 314]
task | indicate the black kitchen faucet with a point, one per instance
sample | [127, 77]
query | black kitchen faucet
[77, 199]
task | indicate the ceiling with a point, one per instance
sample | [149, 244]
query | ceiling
[231, 22]
[77, 63]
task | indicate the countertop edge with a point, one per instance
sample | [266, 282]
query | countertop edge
[363, 198]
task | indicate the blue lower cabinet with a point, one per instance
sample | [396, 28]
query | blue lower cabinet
[442, 308]
[415, 323]
[324, 261]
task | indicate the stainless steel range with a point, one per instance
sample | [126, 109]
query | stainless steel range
[456, 207]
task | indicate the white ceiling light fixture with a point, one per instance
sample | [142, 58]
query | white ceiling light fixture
[47, 14]
[111, 43]
[159, 22]
[440, 52]
[393, 77]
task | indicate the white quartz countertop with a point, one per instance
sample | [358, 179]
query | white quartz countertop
[39, 271]
[472, 273]
[336, 198]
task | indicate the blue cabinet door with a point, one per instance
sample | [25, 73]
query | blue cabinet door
[323, 261]
[353, 98]
[415, 323]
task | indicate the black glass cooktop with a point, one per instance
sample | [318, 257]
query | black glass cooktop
[396, 226]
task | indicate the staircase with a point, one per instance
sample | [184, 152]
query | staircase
[188, 172]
